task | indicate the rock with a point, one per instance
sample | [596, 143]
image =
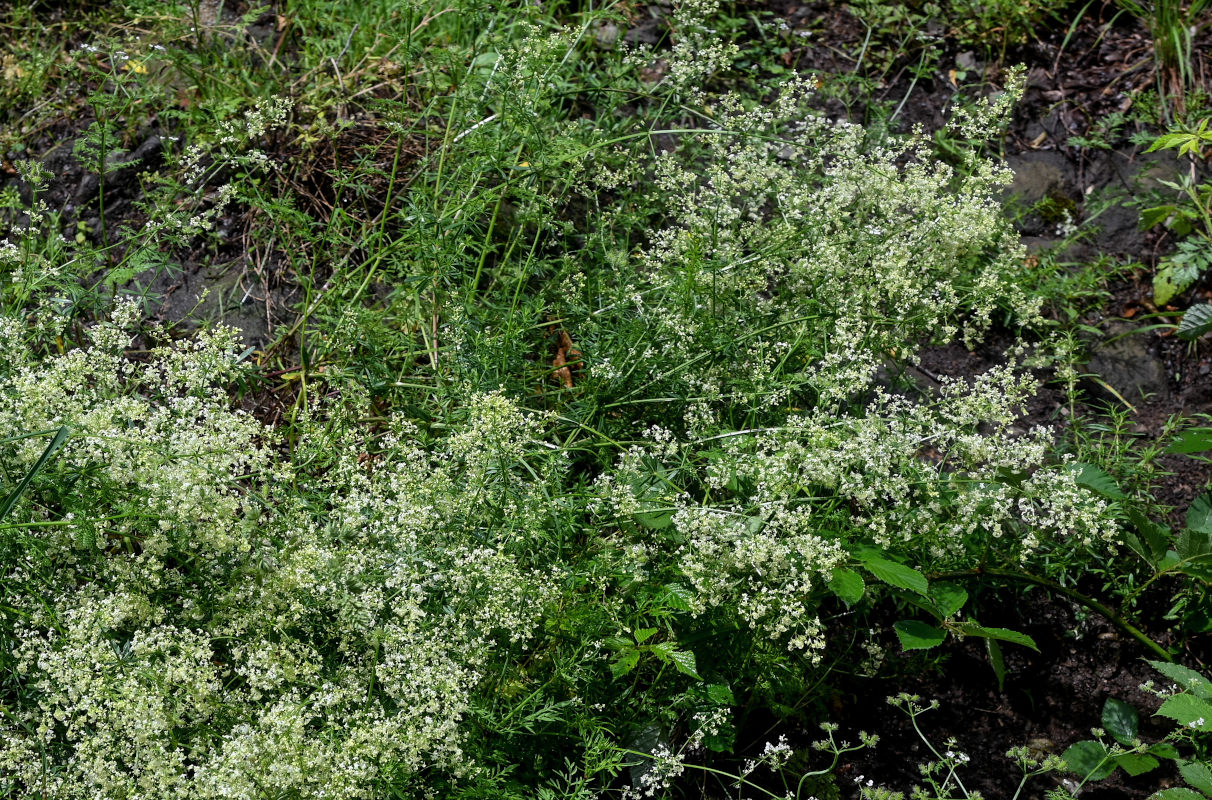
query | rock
[1125, 363]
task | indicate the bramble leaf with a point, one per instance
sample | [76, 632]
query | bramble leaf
[1185, 677]
[1188, 710]
[1090, 760]
[1003, 634]
[1120, 720]
[1096, 480]
[848, 585]
[1196, 321]
[917, 635]
[892, 573]
[1192, 440]
[1197, 774]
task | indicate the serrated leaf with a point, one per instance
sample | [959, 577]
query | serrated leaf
[1002, 634]
[917, 635]
[1120, 720]
[1163, 750]
[892, 573]
[1089, 760]
[1155, 538]
[1188, 710]
[1151, 217]
[1199, 515]
[948, 598]
[1177, 793]
[1096, 480]
[1185, 678]
[848, 585]
[644, 634]
[720, 694]
[677, 597]
[1192, 545]
[683, 661]
[1173, 278]
[1196, 321]
[1192, 440]
[1197, 774]
[624, 663]
[1136, 763]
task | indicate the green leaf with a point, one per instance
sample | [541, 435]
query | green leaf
[1196, 321]
[1003, 634]
[1152, 217]
[916, 635]
[948, 598]
[1199, 515]
[624, 663]
[1089, 760]
[997, 662]
[1185, 677]
[11, 500]
[1193, 545]
[1177, 793]
[1096, 480]
[1155, 538]
[1192, 440]
[683, 661]
[1173, 278]
[1120, 720]
[1197, 774]
[847, 585]
[892, 573]
[1188, 710]
[1136, 763]
[1163, 750]
[676, 597]
[644, 634]
[720, 694]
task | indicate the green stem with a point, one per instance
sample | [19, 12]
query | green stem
[1072, 594]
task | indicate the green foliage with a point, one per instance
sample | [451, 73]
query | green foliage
[583, 426]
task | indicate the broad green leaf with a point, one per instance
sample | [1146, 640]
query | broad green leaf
[1096, 480]
[1120, 720]
[677, 597]
[1089, 760]
[624, 663]
[1199, 515]
[1003, 634]
[1155, 538]
[1195, 546]
[948, 598]
[1136, 763]
[1192, 440]
[1188, 710]
[1177, 793]
[1185, 677]
[1173, 278]
[1197, 774]
[1196, 321]
[684, 661]
[1163, 750]
[916, 635]
[644, 634]
[892, 573]
[720, 694]
[1152, 217]
[847, 585]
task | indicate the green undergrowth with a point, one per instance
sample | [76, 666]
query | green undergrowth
[588, 440]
